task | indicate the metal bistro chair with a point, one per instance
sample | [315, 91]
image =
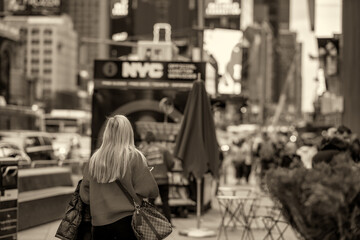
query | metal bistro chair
[274, 222]
[239, 211]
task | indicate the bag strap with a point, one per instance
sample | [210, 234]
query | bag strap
[127, 194]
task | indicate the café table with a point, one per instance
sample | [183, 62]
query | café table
[237, 211]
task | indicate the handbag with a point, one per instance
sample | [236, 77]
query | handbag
[76, 224]
[147, 222]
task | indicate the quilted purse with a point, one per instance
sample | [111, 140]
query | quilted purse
[147, 222]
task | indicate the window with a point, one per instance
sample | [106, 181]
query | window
[35, 41]
[47, 70]
[34, 61]
[23, 31]
[47, 41]
[35, 51]
[47, 31]
[35, 31]
[47, 61]
[47, 51]
[47, 141]
[34, 70]
[32, 142]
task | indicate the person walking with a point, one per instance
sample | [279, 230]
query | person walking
[245, 150]
[116, 159]
[162, 162]
[238, 161]
[266, 151]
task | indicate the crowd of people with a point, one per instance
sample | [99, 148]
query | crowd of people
[257, 153]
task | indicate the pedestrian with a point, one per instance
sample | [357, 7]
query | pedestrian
[245, 153]
[289, 158]
[266, 152]
[116, 159]
[307, 151]
[355, 149]
[237, 161]
[162, 162]
[329, 149]
[344, 133]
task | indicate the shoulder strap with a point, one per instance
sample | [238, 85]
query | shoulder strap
[127, 194]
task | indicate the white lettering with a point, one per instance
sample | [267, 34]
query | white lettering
[120, 8]
[137, 69]
[44, 3]
[128, 70]
[223, 9]
[156, 70]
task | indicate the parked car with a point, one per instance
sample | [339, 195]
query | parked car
[37, 145]
[13, 151]
[66, 145]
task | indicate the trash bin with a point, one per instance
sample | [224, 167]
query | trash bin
[8, 199]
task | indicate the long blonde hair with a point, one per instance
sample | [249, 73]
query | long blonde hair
[110, 161]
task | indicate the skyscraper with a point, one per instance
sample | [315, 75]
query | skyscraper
[51, 52]
[89, 18]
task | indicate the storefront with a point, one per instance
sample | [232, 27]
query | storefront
[136, 88]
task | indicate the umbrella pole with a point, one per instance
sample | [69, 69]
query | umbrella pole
[198, 232]
[198, 201]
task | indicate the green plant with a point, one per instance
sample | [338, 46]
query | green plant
[321, 203]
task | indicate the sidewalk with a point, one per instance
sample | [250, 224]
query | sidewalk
[210, 220]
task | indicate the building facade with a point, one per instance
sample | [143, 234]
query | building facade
[350, 71]
[89, 18]
[50, 53]
[12, 88]
[15, 90]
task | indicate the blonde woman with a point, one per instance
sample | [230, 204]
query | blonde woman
[117, 158]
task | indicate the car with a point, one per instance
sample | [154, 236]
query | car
[66, 145]
[14, 152]
[37, 145]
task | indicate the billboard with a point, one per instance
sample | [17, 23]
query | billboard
[147, 74]
[222, 8]
[119, 8]
[225, 46]
[33, 7]
[222, 13]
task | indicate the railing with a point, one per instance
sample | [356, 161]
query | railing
[76, 165]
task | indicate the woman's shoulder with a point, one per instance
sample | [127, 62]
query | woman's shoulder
[137, 157]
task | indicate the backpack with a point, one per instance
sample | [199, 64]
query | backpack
[267, 150]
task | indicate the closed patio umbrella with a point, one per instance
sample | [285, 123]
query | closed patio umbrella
[196, 144]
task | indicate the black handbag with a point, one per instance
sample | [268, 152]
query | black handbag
[76, 224]
[147, 222]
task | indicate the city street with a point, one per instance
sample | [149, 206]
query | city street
[245, 109]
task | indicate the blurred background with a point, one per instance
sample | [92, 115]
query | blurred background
[285, 67]
[267, 61]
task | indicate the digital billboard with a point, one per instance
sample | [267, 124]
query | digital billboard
[225, 46]
[33, 7]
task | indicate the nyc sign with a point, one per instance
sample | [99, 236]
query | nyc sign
[142, 70]
[147, 71]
